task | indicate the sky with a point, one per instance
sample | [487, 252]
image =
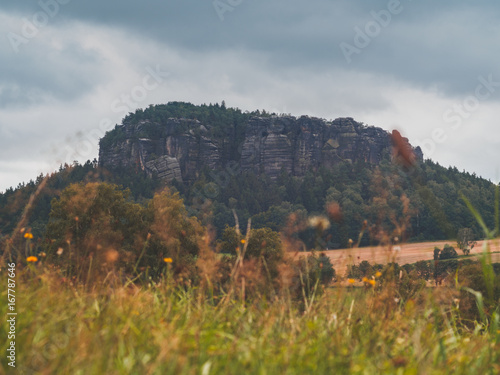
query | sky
[72, 69]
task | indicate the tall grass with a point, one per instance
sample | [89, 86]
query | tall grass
[161, 329]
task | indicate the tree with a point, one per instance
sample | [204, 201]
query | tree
[365, 268]
[423, 269]
[327, 270]
[94, 228]
[264, 246]
[448, 252]
[446, 264]
[436, 253]
[465, 240]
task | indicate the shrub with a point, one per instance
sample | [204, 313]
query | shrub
[310, 275]
[423, 269]
[95, 228]
[472, 276]
[465, 240]
[327, 271]
[410, 285]
[365, 268]
[264, 254]
[448, 252]
[353, 272]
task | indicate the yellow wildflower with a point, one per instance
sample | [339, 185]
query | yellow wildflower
[243, 241]
[28, 235]
[372, 282]
[365, 280]
[32, 259]
[378, 274]
[351, 281]
[167, 260]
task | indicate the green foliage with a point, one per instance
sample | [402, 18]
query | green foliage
[310, 275]
[353, 272]
[14, 201]
[410, 285]
[230, 243]
[437, 250]
[328, 273]
[470, 277]
[163, 329]
[445, 262]
[448, 252]
[94, 221]
[423, 269]
[266, 243]
[365, 268]
[223, 123]
[263, 242]
[264, 250]
[95, 228]
[425, 199]
[465, 240]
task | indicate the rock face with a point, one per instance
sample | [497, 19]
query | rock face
[181, 148]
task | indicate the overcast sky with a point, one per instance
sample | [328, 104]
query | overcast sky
[71, 69]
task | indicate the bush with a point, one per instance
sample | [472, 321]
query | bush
[410, 285]
[448, 252]
[496, 268]
[365, 268]
[310, 274]
[95, 228]
[353, 272]
[263, 257]
[423, 269]
[465, 240]
[437, 250]
[327, 271]
[472, 276]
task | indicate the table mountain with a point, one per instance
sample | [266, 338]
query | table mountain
[179, 148]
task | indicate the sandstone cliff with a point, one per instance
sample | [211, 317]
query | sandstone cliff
[180, 148]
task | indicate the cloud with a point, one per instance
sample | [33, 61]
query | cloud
[52, 67]
[282, 56]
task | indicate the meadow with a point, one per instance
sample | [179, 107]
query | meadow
[162, 328]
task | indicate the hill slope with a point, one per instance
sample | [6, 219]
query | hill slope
[267, 167]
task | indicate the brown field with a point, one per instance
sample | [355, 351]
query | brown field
[409, 253]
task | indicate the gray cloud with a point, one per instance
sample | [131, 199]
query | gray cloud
[447, 44]
[279, 55]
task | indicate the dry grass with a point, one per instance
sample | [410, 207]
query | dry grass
[161, 329]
